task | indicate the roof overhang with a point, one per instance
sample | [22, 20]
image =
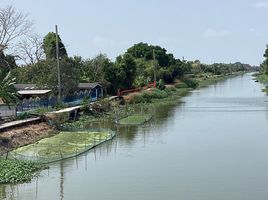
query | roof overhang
[33, 92]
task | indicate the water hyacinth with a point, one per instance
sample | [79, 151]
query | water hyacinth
[14, 171]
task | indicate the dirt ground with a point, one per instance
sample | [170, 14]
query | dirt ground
[20, 136]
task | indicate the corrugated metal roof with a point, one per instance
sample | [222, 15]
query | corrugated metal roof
[33, 92]
[25, 86]
[88, 85]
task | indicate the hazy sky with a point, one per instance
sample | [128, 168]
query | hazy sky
[208, 30]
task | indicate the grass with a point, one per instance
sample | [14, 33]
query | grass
[14, 171]
[60, 146]
[135, 120]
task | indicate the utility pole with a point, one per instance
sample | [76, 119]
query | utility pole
[58, 63]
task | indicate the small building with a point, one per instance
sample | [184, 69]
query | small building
[33, 97]
[7, 111]
[95, 90]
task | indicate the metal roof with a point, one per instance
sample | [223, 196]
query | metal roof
[88, 85]
[25, 86]
[33, 92]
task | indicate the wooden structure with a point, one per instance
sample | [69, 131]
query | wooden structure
[19, 123]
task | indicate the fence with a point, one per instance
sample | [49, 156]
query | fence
[34, 103]
[67, 144]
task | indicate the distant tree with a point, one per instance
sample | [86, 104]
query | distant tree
[49, 45]
[13, 25]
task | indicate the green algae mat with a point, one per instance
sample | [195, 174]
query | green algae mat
[66, 144]
[135, 119]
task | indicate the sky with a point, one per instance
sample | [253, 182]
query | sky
[207, 30]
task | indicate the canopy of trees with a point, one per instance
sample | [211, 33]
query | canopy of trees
[50, 46]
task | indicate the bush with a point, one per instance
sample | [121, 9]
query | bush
[160, 84]
[191, 83]
[181, 85]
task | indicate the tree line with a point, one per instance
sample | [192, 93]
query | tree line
[137, 67]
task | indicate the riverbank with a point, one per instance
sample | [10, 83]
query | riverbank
[262, 78]
[149, 100]
[144, 102]
[21, 136]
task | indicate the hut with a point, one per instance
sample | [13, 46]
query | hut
[95, 90]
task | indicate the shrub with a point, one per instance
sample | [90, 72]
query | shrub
[191, 83]
[181, 85]
[160, 84]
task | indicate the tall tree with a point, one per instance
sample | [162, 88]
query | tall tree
[50, 46]
[13, 25]
[264, 65]
[30, 49]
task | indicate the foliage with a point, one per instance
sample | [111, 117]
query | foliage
[121, 74]
[7, 63]
[8, 94]
[181, 85]
[93, 69]
[44, 74]
[264, 65]
[160, 84]
[191, 83]
[154, 59]
[14, 171]
[50, 46]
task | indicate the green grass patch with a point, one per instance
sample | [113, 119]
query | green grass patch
[14, 171]
[135, 120]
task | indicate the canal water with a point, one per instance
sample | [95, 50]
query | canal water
[213, 146]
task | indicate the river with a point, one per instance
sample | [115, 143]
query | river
[213, 146]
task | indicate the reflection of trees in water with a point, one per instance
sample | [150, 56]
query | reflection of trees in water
[3, 194]
[8, 192]
[127, 133]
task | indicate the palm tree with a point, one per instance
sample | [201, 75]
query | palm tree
[8, 93]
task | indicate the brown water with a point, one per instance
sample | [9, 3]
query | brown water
[214, 146]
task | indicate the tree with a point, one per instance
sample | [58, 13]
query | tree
[93, 69]
[127, 68]
[7, 91]
[7, 63]
[143, 50]
[50, 46]
[13, 25]
[120, 74]
[30, 49]
[264, 65]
